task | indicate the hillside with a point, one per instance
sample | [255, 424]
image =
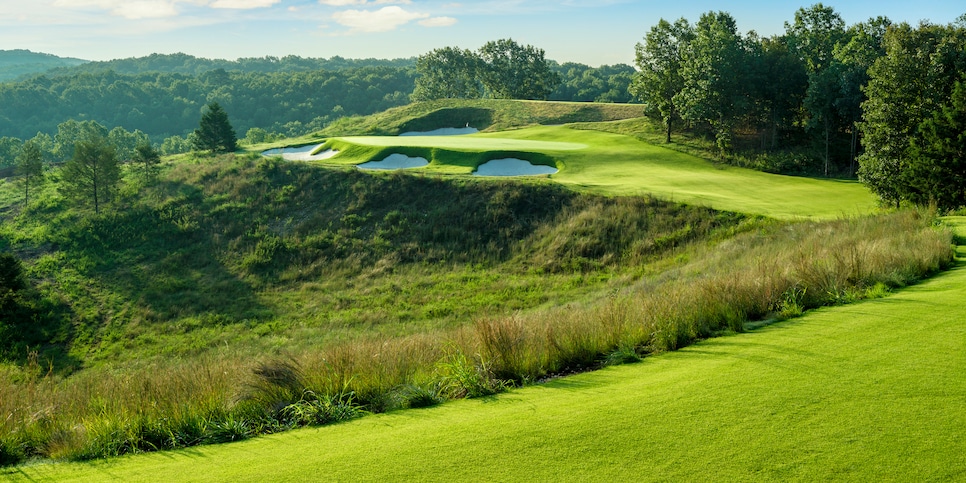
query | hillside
[18, 63]
[237, 295]
[870, 391]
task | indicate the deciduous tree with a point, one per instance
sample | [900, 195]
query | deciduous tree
[448, 73]
[659, 59]
[513, 71]
[714, 64]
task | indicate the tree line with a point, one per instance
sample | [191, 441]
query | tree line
[773, 92]
[93, 156]
[874, 99]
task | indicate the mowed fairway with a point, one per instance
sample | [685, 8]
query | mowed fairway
[866, 392]
[615, 164]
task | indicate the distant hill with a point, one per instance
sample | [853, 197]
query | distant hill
[17, 63]
[186, 64]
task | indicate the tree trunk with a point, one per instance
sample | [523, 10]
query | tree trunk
[854, 149]
[827, 129]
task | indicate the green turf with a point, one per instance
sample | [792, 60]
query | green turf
[865, 392]
[616, 164]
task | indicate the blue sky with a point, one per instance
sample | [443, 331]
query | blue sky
[593, 32]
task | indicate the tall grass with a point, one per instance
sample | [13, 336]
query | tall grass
[773, 272]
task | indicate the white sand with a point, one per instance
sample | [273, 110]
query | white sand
[446, 131]
[395, 161]
[303, 153]
[512, 167]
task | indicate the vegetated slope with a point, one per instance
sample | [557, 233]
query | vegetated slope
[483, 114]
[225, 246]
[19, 63]
[254, 255]
[863, 392]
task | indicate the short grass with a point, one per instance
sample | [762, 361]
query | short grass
[616, 164]
[864, 392]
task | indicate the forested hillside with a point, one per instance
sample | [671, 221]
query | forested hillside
[165, 104]
[17, 63]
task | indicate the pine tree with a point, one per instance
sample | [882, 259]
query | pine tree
[214, 132]
[30, 166]
[92, 173]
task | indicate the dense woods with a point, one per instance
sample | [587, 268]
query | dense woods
[875, 99]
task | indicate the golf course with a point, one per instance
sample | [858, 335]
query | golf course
[615, 164]
[734, 351]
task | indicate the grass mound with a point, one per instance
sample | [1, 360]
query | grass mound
[484, 114]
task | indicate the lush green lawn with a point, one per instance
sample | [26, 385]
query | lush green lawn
[615, 164]
[870, 391]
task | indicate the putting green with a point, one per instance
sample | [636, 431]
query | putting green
[870, 391]
[615, 164]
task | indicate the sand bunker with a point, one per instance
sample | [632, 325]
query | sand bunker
[395, 161]
[303, 153]
[446, 131]
[512, 167]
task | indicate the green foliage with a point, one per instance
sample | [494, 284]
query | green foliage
[912, 81]
[289, 97]
[93, 172]
[583, 83]
[501, 69]
[660, 60]
[18, 63]
[9, 150]
[147, 158]
[937, 168]
[713, 66]
[448, 73]
[461, 376]
[513, 71]
[30, 167]
[214, 133]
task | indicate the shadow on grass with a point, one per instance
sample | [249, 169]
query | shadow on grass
[164, 259]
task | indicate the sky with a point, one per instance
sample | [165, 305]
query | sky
[593, 32]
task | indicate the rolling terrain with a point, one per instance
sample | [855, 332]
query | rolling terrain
[383, 291]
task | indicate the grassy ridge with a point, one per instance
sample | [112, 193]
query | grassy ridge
[483, 114]
[233, 246]
[868, 391]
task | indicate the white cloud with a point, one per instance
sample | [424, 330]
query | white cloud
[349, 3]
[137, 9]
[145, 9]
[243, 4]
[438, 22]
[382, 20]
